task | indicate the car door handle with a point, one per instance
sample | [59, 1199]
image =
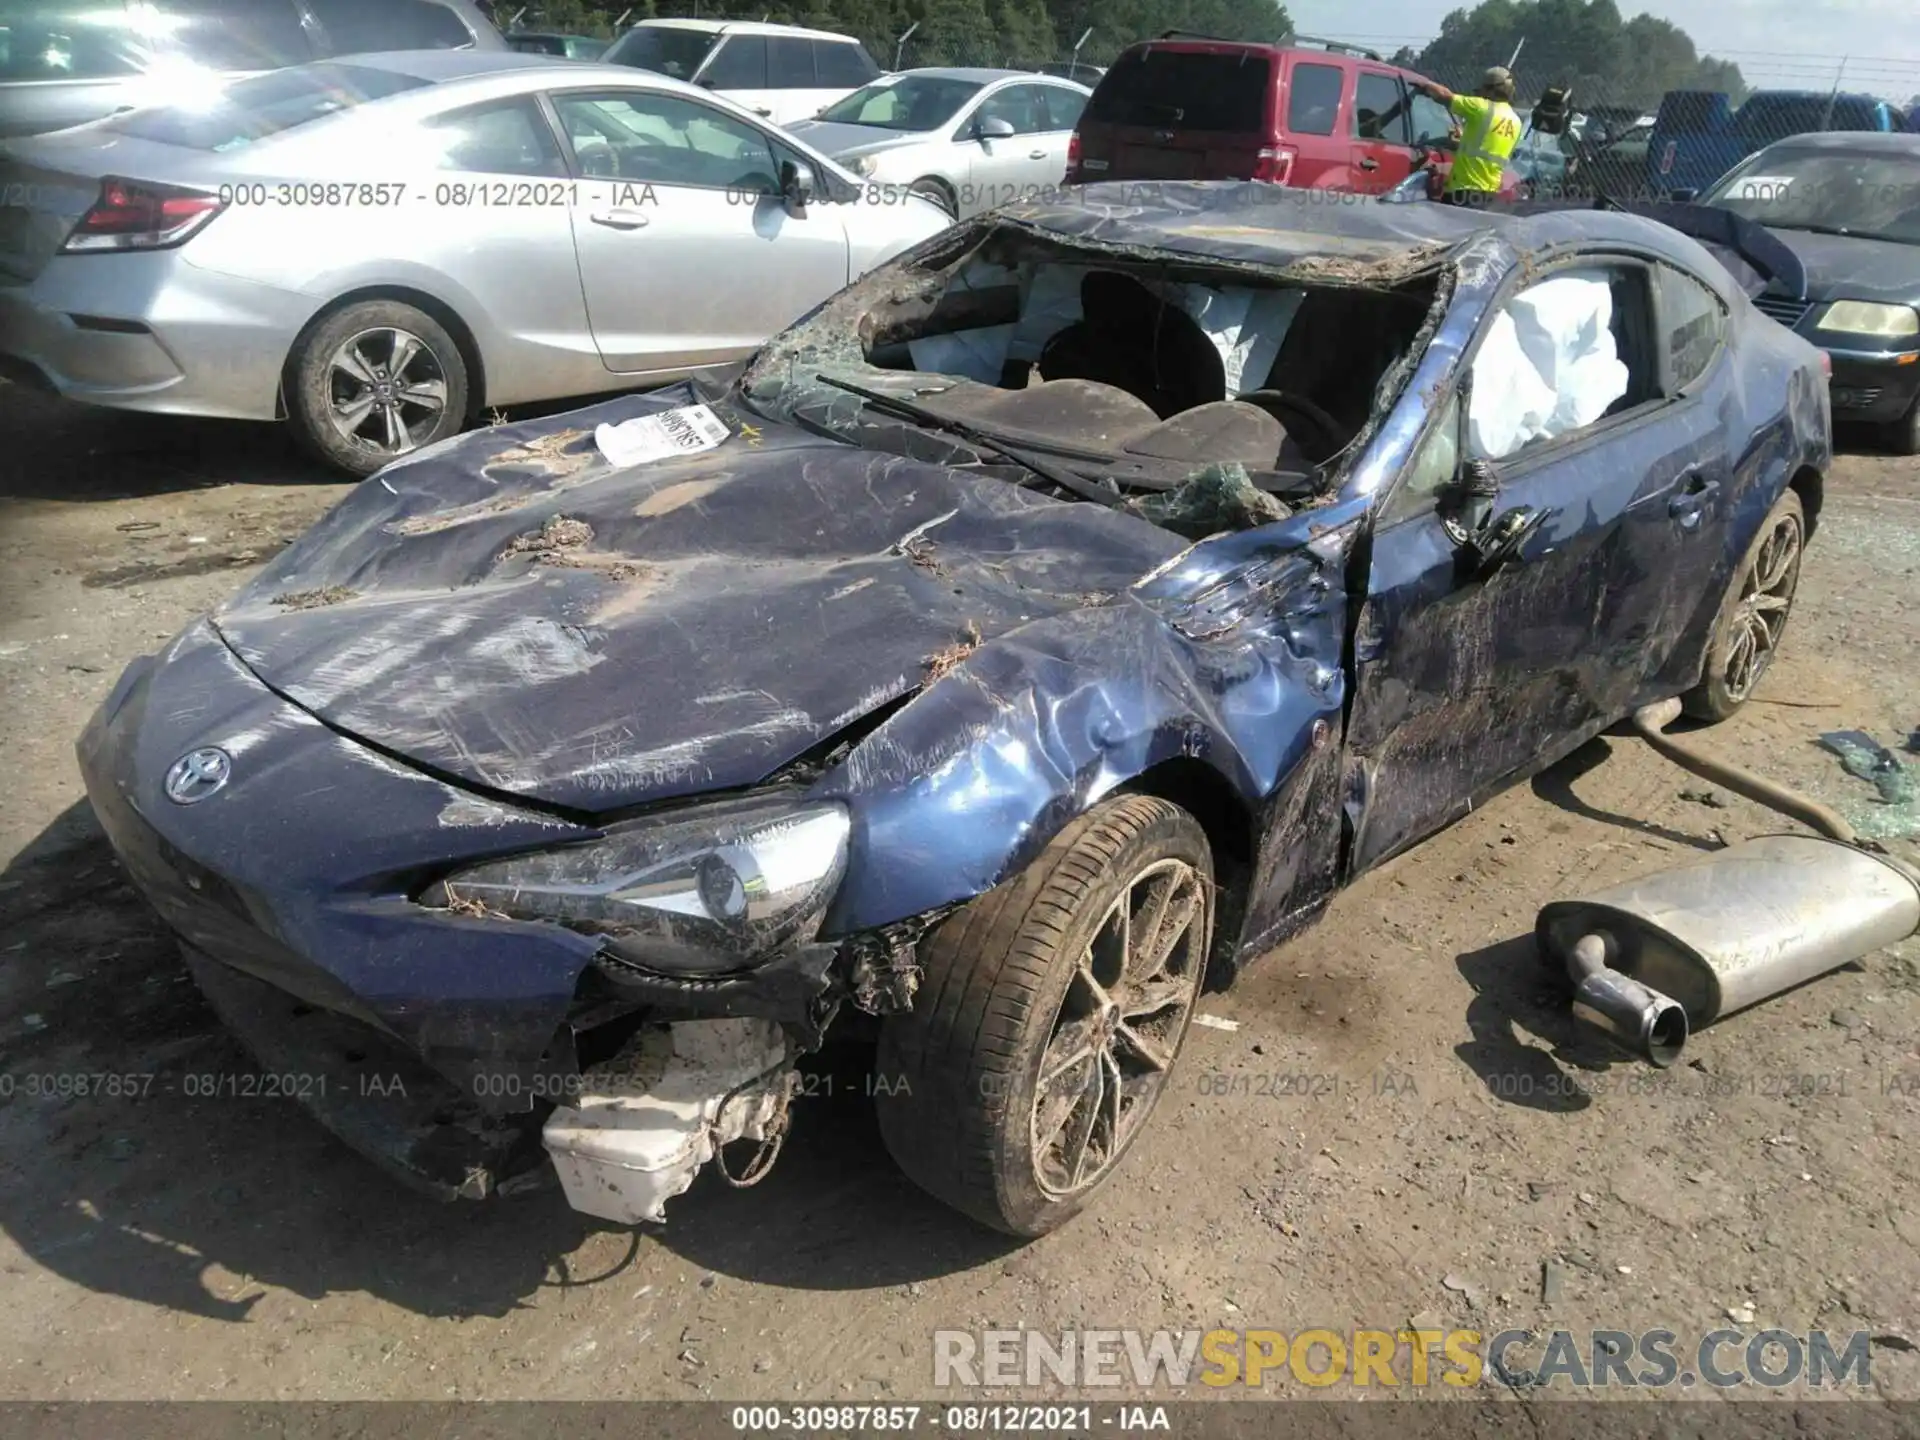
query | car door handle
[620, 219]
[762, 113]
[1369, 164]
[1691, 499]
[1036, 154]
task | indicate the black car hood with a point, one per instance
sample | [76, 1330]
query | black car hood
[514, 613]
[1850, 267]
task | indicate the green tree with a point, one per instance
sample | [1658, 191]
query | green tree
[1584, 43]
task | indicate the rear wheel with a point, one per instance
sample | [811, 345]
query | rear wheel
[372, 381]
[1753, 615]
[1050, 1014]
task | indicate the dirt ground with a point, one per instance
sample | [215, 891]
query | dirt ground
[181, 1247]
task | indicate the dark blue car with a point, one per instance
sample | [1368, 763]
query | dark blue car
[1043, 628]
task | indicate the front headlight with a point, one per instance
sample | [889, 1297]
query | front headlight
[863, 166]
[1861, 317]
[717, 889]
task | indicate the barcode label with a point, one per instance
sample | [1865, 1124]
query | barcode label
[684, 430]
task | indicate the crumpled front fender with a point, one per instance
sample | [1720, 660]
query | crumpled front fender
[1222, 657]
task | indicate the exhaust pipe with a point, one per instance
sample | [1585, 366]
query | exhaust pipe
[1656, 958]
[1651, 1025]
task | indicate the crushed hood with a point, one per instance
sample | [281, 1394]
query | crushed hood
[511, 611]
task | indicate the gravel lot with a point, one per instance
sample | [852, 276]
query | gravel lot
[182, 1247]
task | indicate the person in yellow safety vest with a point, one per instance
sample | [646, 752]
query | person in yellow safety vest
[1491, 130]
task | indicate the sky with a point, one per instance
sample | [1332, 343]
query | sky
[1794, 44]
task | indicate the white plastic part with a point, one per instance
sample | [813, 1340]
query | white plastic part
[650, 1117]
[1548, 366]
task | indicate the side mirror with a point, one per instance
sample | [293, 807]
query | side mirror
[1486, 536]
[992, 129]
[797, 187]
[1683, 197]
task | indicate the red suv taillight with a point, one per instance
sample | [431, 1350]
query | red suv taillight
[1273, 164]
[1073, 158]
[131, 215]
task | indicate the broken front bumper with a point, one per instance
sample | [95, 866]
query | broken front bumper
[430, 1041]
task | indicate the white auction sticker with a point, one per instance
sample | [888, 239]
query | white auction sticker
[683, 430]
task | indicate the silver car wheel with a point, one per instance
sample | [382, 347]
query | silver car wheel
[384, 387]
[1762, 613]
[1119, 1027]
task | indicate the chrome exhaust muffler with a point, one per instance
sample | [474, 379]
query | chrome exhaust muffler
[1656, 958]
[1723, 932]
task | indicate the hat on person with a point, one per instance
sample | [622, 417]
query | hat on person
[1498, 81]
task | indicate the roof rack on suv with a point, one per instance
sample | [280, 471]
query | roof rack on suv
[1195, 35]
[1338, 47]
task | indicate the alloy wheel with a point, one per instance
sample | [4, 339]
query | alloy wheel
[385, 387]
[1764, 603]
[1119, 1027]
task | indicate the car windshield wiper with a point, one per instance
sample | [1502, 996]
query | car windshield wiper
[1045, 469]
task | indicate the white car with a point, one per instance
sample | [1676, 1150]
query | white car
[969, 140]
[383, 248]
[780, 72]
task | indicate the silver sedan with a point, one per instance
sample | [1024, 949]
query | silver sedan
[381, 249]
[968, 139]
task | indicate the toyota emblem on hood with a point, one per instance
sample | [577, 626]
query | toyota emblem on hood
[196, 775]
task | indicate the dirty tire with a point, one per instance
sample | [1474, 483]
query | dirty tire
[1753, 614]
[315, 380]
[938, 191]
[1903, 436]
[1026, 974]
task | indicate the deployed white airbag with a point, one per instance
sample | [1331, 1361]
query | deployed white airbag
[1548, 366]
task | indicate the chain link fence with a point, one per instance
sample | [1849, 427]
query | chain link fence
[1629, 141]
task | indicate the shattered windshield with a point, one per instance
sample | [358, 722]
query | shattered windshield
[1152, 388]
[1873, 195]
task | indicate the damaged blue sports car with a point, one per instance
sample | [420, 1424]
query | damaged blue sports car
[1045, 626]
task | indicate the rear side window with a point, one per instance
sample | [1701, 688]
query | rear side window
[1695, 322]
[789, 63]
[1379, 109]
[1063, 107]
[1313, 99]
[741, 64]
[263, 105]
[66, 40]
[840, 66]
[238, 34]
[358, 27]
[502, 137]
[1193, 89]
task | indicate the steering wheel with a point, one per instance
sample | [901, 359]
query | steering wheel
[1319, 436]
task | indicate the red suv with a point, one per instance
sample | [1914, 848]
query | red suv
[1186, 107]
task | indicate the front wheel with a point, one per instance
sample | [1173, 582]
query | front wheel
[372, 381]
[1753, 614]
[939, 192]
[1050, 1014]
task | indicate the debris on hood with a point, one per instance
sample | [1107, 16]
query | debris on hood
[314, 599]
[683, 430]
[1220, 497]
